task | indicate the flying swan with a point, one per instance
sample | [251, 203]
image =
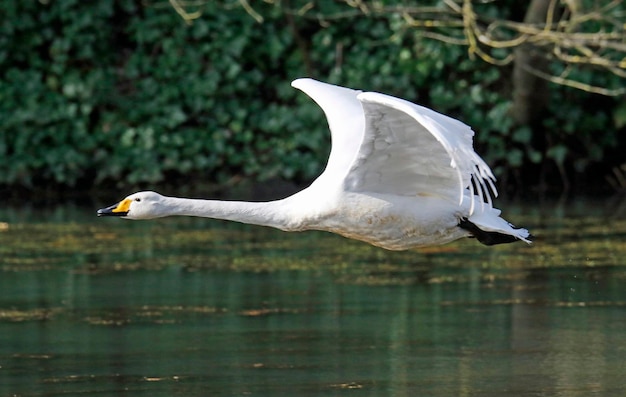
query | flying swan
[399, 176]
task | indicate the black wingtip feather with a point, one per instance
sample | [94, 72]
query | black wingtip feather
[487, 238]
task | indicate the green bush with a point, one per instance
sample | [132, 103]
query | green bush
[115, 92]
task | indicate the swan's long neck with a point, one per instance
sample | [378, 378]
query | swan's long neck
[271, 213]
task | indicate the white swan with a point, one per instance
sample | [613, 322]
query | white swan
[399, 176]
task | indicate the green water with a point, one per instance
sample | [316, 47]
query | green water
[196, 307]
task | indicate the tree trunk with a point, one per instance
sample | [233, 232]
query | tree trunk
[530, 93]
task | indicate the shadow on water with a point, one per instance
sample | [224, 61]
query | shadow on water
[196, 307]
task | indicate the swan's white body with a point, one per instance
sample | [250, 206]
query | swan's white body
[399, 176]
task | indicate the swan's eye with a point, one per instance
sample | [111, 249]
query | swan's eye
[137, 199]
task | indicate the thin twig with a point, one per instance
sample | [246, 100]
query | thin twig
[255, 15]
[188, 17]
[576, 84]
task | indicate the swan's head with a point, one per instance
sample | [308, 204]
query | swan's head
[141, 205]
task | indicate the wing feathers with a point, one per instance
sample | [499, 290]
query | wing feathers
[386, 144]
[384, 115]
[345, 119]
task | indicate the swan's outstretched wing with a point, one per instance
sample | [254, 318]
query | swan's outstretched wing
[411, 150]
[346, 121]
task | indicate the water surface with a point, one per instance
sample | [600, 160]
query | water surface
[197, 307]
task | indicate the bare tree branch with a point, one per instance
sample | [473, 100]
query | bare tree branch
[572, 35]
[577, 33]
[576, 84]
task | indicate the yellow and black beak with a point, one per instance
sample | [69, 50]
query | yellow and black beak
[119, 209]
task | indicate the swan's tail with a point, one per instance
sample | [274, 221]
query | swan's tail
[490, 229]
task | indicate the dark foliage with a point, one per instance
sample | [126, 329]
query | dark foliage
[116, 92]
